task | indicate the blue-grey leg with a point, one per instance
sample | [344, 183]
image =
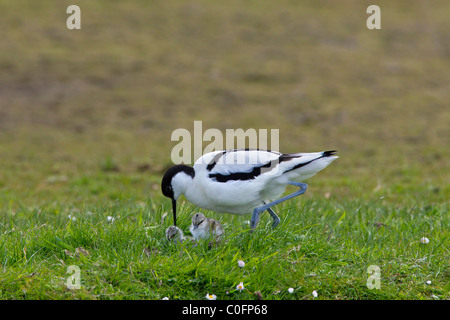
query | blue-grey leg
[257, 211]
[276, 219]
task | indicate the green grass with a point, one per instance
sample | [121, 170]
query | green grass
[319, 245]
[85, 124]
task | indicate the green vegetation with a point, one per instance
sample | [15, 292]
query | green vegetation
[322, 246]
[86, 118]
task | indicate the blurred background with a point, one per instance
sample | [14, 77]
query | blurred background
[87, 115]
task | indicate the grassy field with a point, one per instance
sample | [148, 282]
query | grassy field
[86, 118]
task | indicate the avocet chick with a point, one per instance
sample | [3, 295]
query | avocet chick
[203, 227]
[173, 233]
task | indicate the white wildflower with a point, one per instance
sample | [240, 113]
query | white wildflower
[240, 286]
[424, 240]
[241, 263]
[291, 290]
[314, 293]
[211, 296]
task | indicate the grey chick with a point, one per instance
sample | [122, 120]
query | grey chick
[203, 227]
[174, 233]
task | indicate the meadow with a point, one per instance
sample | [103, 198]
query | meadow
[86, 118]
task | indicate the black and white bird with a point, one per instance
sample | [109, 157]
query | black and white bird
[243, 181]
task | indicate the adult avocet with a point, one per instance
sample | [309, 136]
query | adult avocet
[243, 181]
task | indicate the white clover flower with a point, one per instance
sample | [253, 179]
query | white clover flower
[314, 294]
[211, 296]
[110, 219]
[291, 290]
[424, 240]
[240, 286]
[71, 217]
[241, 263]
[165, 298]
[428, 282]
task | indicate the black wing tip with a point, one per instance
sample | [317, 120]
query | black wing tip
[329, 153]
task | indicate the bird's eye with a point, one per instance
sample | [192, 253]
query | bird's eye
[168, 188]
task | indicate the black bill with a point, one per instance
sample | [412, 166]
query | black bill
[174, 209]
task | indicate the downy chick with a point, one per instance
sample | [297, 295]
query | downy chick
[203, 227]
[174, 233]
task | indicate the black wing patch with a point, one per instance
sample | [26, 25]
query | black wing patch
[324, 155]
[213, 162]
[256, 171]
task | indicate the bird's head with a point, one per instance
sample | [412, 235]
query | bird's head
[172, 232]
[198, 219]
[173, 184]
